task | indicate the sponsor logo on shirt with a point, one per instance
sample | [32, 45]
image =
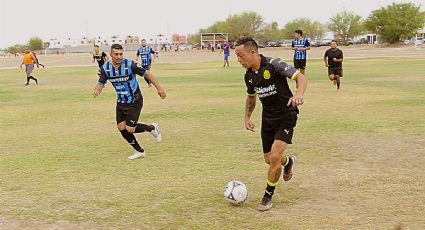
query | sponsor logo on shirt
[266, 74]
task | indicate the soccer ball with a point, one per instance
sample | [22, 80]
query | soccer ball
[235, 192]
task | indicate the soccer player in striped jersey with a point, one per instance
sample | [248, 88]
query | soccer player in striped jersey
[145, 53]
[121, 72]
[300, 46]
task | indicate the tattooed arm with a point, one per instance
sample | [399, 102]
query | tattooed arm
[249, 108]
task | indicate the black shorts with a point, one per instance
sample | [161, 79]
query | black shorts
[147, 67]
[282, 129]
[335, 71]
[129, 113]
[300, 63]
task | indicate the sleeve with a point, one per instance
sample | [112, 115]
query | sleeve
[292, 42]
[138, 69]
[137, 53]
[307, 43]
[152, 51]
[103, 54]
[284, 69]
[341, 55]
[102, 77]
[326, 53]
[249, 87]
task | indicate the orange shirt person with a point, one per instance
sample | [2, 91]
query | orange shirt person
[29, 61]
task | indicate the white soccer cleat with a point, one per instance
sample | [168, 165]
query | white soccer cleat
[136, 155]
[156, 133]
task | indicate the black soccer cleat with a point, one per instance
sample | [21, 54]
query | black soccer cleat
[287, 170]
[265, 205]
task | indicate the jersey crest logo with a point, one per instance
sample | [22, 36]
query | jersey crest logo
[266, 74]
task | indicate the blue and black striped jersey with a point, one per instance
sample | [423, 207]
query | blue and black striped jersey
[123, 78]
[303, 43]
[145, 54]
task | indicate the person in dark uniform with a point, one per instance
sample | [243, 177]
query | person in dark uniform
[145, 53]
[333, 60]
[266, 78]
[99, 56]
[121, 72]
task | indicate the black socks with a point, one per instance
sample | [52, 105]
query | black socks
[140, 128]
[131, 139]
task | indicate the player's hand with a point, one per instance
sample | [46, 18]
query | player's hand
[249, 125]
[334, 59]
[161, 93]
[295, 101]
[326, 65]
[96, 93]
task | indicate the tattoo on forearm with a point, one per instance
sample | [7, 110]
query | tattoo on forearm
[250, 106]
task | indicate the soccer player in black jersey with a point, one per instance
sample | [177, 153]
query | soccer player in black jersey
[100, 56]
[121, 72]
[333, 60]
[266, 78]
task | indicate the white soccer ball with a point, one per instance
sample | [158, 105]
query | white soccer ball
[236, 192]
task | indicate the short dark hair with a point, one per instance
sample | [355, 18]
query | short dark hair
[143, 39]
[116, 47]
[96, 46]
[334, 41]
[300, 32]
[247, 41]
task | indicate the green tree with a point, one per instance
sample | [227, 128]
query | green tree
[15, 49]
[311, 29]
[346, 24]
[271, 32]
[35, 43]
[245, 24]
[396, 21]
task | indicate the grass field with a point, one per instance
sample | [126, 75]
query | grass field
[361, 152]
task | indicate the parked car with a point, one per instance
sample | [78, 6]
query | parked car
[273, 44]
[344, 42]
[286, 43]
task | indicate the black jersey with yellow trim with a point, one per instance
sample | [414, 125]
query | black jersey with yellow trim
[270, 84]
[100, 57]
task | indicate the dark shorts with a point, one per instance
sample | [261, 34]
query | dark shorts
[300, 64]
[335, 71]
[272, 130]
[129, 113]
[29, 68]
[147, 67]
[226, 57]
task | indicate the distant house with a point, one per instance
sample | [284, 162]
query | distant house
[132, 40]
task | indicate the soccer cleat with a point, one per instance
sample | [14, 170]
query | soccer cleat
[334, 82]
[156, 133]
[287, 170]
[266, 204]
[26, 84]
[136, 155]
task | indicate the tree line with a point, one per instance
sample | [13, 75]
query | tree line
[392, 23]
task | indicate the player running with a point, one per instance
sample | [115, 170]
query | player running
[333, 60]
[266, 78]
[145, 53]
[121, 72]
[100, 56]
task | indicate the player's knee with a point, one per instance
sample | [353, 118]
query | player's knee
[121, 127]
[275, 159]
[267, 160]
[130, 129]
